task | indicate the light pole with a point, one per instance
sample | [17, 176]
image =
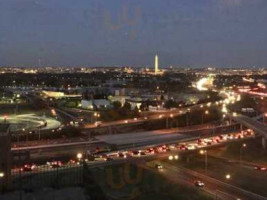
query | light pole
[167, 120]
[88, 151]
[228, 176]
[241, 151]
[187, 113]
[205, 152]
[206, 113]
[2, 176]
[79, 156]
[264, 115]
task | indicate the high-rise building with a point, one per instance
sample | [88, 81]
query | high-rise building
[156, 64]
[5, 156]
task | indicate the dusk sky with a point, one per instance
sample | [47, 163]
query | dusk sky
[196, 33]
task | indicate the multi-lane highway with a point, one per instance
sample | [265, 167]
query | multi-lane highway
[148, 153]
[164, 115]
[216, 188]
[176, 146]
[122, 141]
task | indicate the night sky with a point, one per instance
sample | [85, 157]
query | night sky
[195, 33]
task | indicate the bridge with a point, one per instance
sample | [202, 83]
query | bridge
[251, 123]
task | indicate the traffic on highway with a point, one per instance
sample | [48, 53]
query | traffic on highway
[102, 156]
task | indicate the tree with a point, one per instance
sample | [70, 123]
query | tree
[127, 106]
[170, 104]
[143, 106]
[116, 105]
[136, 110]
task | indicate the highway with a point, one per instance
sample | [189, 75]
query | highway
[214, 187]
[163, 115]
[174, 173]
[179, 146]
[122, 141]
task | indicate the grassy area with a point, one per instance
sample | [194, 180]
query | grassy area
[252, 153]
[241, 176]
[130, 182]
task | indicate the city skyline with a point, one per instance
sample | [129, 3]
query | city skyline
[219, 33]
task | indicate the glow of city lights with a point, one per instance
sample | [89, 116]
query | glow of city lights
[224, 109]
[205, 83]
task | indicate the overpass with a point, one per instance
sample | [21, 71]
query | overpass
[253, 124]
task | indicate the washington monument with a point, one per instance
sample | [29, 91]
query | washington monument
[156, 64]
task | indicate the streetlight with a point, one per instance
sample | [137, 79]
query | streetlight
[167, 120]
[79, 156]
[228, 176]
[2, 174]
[264, 115]
[241, 151]
[206, 113]
[205, 152]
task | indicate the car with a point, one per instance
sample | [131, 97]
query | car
[260, 168]
[142, 153]
[199, 184]
[135, 153]
[109, 159]
[191, 147]
[223, 137]
[54, 164]
[239, 136]
[150, 151]
[28, 167]
[156, 150]
[230, 136]
[158, 166]
[98, 124]
[183, 147]
[122, 155]
[200, 141]
[172, 146]
[128, 155]
[72, 162]
[99, 158]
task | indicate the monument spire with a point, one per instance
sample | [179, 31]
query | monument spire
[156, 64]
